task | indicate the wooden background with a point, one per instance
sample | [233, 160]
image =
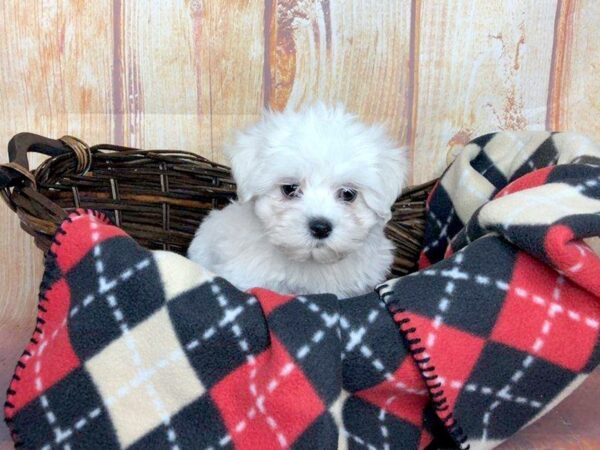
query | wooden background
[183, 73]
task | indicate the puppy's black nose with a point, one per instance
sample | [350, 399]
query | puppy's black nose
[320, 227]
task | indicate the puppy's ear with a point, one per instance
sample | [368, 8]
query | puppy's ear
[244, 155]
[391, 171]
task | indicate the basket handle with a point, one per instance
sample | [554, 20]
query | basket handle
[19, 146]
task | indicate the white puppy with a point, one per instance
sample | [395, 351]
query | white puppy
[315, 189]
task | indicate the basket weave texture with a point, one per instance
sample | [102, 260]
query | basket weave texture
[159, 197]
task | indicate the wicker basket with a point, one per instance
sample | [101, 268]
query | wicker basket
[159, 197]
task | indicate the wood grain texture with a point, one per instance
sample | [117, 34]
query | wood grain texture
[185, 73]
[573, 424]
[482, 66]
[199, 87]
[336, 51]
[574, 100]
[170, 104]
[54, 80]
[236, 67]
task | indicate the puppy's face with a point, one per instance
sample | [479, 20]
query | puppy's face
[320, 180]
[309, 217]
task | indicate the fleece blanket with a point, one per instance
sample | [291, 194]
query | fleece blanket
[504, 314]
[144, 349]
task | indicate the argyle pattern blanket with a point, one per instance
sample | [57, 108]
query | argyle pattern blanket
[504, 314]
[139, 349]
[144, 349]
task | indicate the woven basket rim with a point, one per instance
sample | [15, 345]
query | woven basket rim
[159, 196]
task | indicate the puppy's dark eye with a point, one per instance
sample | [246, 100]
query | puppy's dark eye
[347, 195]
[291, 190]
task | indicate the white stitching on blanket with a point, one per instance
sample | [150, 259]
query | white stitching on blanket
[383, 428]
[112, 284]
[489, 391]
[354, 337]
[251, 360]
[273, 384]
[251, 413]
[454, 274]
[358, 439]
[521, 293]
[536, 347]
[129, 340]
[536, 200]
[64, 434]
[163, 363]
[553, 308]
[443, 231]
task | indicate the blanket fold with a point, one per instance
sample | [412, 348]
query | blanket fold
[141, 349]
[144, 349]
[505, 313]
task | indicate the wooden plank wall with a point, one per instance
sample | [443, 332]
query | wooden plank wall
[184, 73]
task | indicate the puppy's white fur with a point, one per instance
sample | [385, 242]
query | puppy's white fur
[263, 239]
